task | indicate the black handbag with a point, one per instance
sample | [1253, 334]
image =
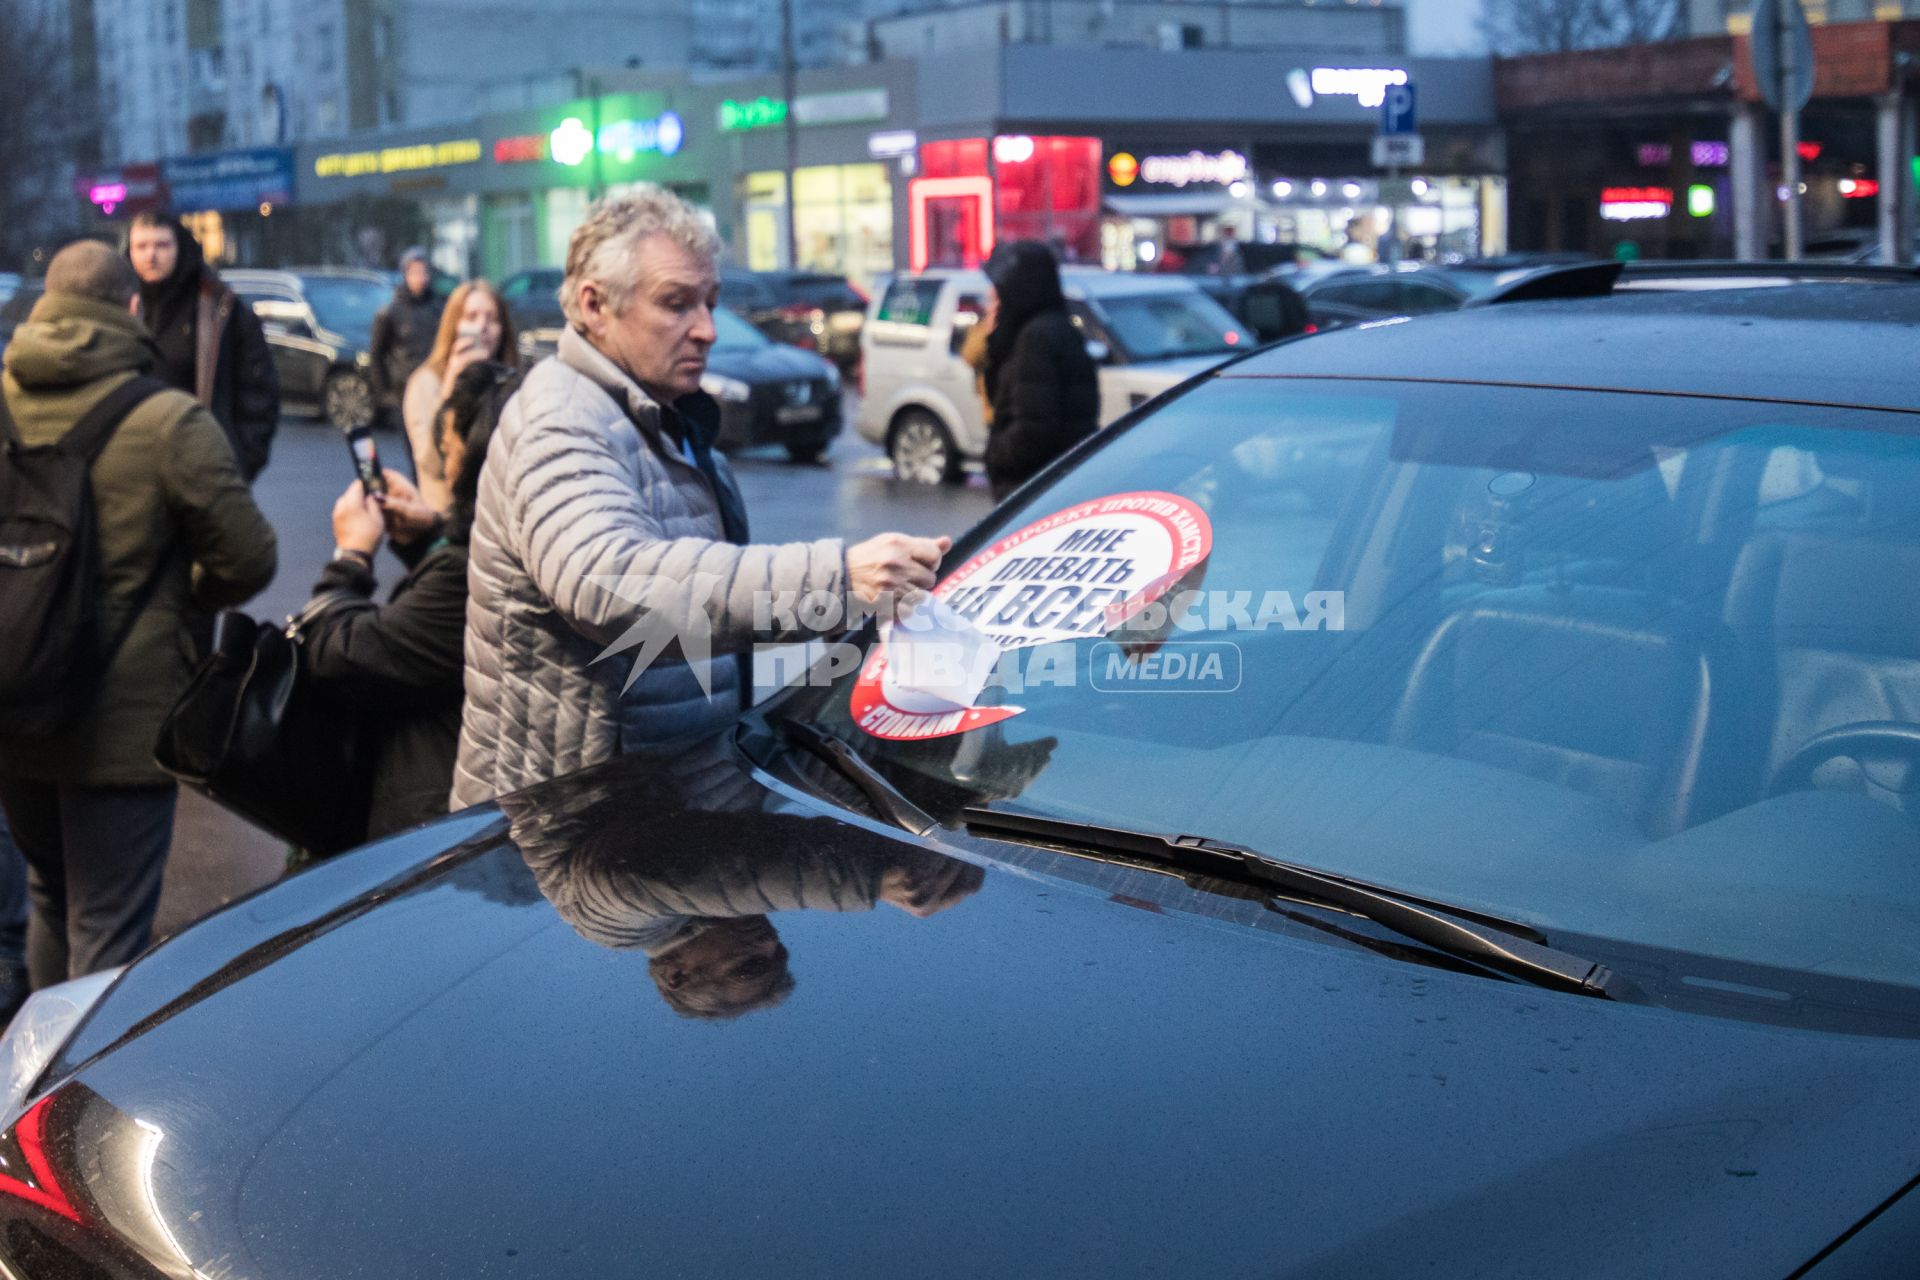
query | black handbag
[250, 734]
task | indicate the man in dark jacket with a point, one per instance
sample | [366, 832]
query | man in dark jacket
[1043, 385]
[211, 344]
[177, 532]
[404, 330]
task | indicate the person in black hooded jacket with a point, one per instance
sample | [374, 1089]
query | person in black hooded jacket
[211, 345]
[403, 331]
[1042, 383]
[402, 664]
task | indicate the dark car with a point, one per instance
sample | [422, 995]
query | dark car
[16, 308]
[319, 323]
[1271, 308]
[811, 310]
[533, 298]
[1229, 257]
[1359, 295]
[770, 393]
[1444, 806]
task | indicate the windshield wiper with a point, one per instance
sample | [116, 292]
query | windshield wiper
[886, 799]
[1507, 948]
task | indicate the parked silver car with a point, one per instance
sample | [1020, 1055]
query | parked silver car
[1147, 334]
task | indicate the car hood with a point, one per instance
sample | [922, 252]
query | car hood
[488, 1048]
[773, 362]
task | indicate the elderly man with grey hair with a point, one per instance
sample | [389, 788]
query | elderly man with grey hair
[611, 584]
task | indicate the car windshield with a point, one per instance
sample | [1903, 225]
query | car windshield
[733, 333]
[1159, 326]
[345, 304]
[827, 294]
[1629, 667]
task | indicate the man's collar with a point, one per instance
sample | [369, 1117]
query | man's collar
[588, 360]
[699, 411]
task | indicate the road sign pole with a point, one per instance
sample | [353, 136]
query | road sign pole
[1783, 60]
[1393, 216]
[1793, 245]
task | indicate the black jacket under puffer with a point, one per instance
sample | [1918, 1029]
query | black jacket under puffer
[1043, 384]
[401, 665]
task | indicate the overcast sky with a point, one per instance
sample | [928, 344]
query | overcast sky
[1444, 26]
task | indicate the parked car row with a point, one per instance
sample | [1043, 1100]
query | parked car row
[769, 393]
[807, 309]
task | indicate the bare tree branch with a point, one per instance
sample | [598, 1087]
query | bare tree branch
[1558, 26]
[47, 120]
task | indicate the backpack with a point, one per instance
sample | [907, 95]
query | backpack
[52, 653]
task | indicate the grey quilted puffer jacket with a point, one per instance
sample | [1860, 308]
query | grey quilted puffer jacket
[584, 504]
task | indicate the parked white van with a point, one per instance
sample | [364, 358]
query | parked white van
[1146, 332]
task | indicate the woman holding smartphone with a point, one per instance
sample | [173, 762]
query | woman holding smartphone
[474, 328]
[401, 665]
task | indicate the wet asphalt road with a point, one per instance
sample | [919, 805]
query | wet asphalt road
[217, 857]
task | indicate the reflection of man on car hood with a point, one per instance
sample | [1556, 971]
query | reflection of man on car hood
[631, 869]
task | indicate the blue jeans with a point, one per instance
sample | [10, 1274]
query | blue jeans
[95, 857]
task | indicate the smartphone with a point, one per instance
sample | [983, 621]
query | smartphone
[366, 460]
[471, 337]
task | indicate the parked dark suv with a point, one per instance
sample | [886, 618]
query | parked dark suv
[807, 309]
[319, 322]
[533, 298]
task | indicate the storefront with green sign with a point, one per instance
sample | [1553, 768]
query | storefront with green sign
[506, 192]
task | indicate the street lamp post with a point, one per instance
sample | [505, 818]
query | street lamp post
[788, 91]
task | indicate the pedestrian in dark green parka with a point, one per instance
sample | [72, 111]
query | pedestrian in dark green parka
[90, 809]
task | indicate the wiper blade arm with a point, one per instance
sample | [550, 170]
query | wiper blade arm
[885, 798]
[1503, 949]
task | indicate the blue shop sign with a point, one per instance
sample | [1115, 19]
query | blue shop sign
[230, 180]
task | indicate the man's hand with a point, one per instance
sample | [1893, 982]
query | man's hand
[895, 565]
[926, 886]
[408, 517]
[357, 523]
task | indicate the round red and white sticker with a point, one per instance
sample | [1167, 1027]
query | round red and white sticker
[1076, 574]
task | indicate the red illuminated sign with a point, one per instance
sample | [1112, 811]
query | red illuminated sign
[972, 201]
[524, 150]
[1810, 151]
[1859, 188]
[1637, 195]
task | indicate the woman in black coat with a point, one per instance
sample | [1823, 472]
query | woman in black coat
[1043, 385]
[402, 664]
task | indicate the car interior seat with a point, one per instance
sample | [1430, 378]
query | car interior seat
[1605, 690]
[1822, 603]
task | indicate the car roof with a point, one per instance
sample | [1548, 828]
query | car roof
[1405, 271]
[290, 277]
[1842, 344]
[1078, 282]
